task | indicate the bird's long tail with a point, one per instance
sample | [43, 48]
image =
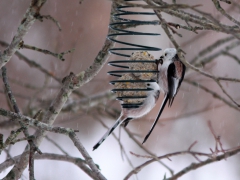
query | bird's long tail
[116, 124]
[156, 120]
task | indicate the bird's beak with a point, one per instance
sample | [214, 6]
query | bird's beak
[157, 61]
[161, 60]
[176, 56]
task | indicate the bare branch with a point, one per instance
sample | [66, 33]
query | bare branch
[35, 123]
[70, 83]
[212, 157]
[85, 154]
[146, 150]
[226, 1]
[57, 145]
[32, 63]
[220, 52]
[156, 7]
[41, 17]
[140, 167]
[56, 55]
[56, 157]
[220, 9]
[214, 94]
[210, 48]
[195, 166]
[16, 109]
[232, 56]
[28, 20]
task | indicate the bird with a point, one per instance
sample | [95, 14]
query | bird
[128, 114]
[171, 74]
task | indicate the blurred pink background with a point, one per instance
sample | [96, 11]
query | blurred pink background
[84, 27]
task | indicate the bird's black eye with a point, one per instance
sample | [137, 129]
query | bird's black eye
[165, 54]
[148, 84]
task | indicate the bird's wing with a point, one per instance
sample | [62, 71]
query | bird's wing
[180, 70]
[175, 73]
[173, 82]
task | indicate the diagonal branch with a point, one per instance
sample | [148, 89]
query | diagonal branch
[32, 63]
[147, 151]
[14, 106]
[194, 166]
[56, 157]
[214, 94]
[45, 51]
[67, 131]
[70, 83]
[211, 47]
[41, 17]
[221, 10]
[27, 21]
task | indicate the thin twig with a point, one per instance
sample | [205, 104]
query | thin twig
[211, 47]
[70, 83]
[232, 56]
[146, 150]
[56, 157]
[27, 21]
[156, 7]
[212, 157]
[167, 156]
[35, 123]
[32, 63]
[41, 17]
[31, 163]
[57, 145]
[16, 109]
[45, 51]
[86, 156]
[210, 58]
[226, 1]
[214, 94]
[221, 10]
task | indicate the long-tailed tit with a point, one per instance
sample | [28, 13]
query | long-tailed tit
[171, 74]
[128, 114]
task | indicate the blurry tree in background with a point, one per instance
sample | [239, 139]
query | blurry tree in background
[55, 100]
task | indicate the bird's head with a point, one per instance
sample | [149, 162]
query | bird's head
[153, 85]
[169, 54]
